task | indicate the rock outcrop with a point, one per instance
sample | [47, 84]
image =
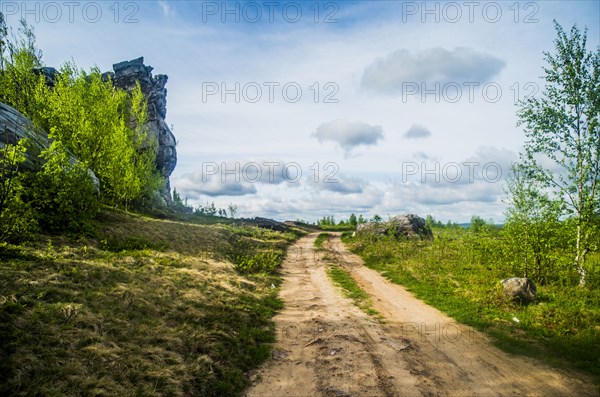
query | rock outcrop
[14, 127]
[125, 76]
[408, 225]
[265, 223]
[519, 289]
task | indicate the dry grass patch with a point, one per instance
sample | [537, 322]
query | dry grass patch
[147, 307]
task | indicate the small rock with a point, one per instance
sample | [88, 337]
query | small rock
[519, 289]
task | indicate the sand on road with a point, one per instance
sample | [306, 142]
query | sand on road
[326, 346]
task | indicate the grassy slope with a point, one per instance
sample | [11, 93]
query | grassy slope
[148, 307]
[562, 328]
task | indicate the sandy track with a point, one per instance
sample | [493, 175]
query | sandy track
[326, 346]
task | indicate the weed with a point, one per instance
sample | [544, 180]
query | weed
[352, 290]
[321, 238]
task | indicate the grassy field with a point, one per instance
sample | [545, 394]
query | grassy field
[144, 307]
[459, 272]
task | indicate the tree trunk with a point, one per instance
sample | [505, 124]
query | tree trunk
[580, 258]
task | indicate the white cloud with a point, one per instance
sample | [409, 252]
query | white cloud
[166, 8]
[417, 131]
[196, 184]
[349, 134]
[435, 65]
[341, 184]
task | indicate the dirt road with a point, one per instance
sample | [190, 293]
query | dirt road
[326, 346]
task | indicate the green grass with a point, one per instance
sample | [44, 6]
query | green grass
[352, 290]
[337, 228]
[148, 307]
[459, 273]
[320, 240]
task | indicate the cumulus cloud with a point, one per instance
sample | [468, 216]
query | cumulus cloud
[435, 65]
[417, 131]
[341, 184]
[348, 134]
[195, 184]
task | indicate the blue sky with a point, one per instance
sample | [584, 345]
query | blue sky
[374, 107]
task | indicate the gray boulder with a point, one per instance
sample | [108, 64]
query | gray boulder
[408, 225]
[14, 127]
[519, 289]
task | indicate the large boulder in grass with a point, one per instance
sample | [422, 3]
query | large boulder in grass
[408, 225]
[519, 289]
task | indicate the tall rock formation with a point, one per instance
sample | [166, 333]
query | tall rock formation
[125, 76]
[14, 126]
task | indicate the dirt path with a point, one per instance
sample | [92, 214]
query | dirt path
[326, 346]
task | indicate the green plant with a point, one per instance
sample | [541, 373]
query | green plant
[262, 262]
[320, 240]
[17, 222]
[563, 127]
[63, 193]
[352, 290]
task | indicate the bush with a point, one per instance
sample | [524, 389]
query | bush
[63, 193]
[263, 262]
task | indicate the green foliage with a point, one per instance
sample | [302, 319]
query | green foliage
[20, 86]
[479, 225]
[102, 127]
[352, 220]
[83, 104]
[63, 193]
[376, 219]
[262, 262]
[352, 290]
[326, 221]
[533, 229]
[431, 222]
[320, 240]
[563, 128]
[17, 221]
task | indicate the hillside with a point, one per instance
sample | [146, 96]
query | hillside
[145, 307]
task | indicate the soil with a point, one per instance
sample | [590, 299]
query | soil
[326, 346]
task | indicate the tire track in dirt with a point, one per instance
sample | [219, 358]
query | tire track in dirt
[326, 346]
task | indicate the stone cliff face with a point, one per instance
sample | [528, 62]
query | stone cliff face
[14, 127]
[125, 75]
